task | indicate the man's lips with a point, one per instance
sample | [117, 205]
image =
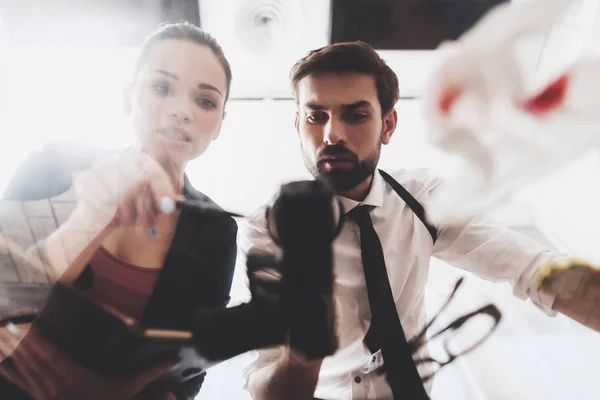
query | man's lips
[337, 162]
[335, 159]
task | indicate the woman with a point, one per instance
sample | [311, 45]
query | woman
[117, 243]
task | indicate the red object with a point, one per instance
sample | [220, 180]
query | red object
[448, 98]
[549, 99]
[121, 285]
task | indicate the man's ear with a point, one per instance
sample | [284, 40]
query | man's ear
[297, 122]
[127, 94]
[390, 120]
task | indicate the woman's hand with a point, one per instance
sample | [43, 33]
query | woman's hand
[127, 190]
[10, 337]
[46, 373]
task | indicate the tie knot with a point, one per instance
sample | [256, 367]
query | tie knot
[360, 215]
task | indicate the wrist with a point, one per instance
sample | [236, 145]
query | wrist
[88, 219]
[293, 359]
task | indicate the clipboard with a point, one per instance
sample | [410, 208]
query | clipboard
[111, 343]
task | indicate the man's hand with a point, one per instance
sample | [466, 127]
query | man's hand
[46, 373]
[300, 304]
[576, 284]
[293, 376]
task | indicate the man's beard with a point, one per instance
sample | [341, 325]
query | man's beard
[343, 180]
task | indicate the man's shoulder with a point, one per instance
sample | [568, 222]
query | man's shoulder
[418, 182]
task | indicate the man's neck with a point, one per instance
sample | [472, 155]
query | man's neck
[359, 192]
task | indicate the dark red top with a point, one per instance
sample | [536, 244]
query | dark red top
[124, 286]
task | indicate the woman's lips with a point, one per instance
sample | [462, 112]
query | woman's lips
[175, 134]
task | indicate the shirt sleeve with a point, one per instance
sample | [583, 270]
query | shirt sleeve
[255, 236]
[494, 252]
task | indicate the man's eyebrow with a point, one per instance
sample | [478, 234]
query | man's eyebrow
[345, 107]
[356, 105]
[314, 106]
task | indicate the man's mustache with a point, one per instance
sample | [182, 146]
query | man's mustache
[339, 152]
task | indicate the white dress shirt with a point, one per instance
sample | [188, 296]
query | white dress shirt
[480, 246]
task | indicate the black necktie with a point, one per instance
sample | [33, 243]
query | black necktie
[386, 331]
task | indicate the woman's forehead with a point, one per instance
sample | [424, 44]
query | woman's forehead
[187, 60]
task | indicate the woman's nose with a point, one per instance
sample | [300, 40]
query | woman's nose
[180, 111]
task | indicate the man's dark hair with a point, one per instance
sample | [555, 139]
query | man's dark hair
[349, 57]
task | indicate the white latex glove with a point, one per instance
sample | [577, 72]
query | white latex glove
[479, 110]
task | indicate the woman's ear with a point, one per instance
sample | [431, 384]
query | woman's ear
[218, 131]
[127, 94]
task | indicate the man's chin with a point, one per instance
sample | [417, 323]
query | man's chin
[342, 181]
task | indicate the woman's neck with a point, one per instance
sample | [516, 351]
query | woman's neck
[176, 174]
[174, 170]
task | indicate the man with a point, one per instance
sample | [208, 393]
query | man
[345, 97]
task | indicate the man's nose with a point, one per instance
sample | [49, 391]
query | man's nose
[335, 132]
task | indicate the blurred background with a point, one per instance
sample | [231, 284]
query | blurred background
[63, 64]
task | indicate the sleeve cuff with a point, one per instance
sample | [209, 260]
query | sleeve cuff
[259, 359]
[544, 301]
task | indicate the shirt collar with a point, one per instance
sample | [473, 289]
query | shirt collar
[374, 197]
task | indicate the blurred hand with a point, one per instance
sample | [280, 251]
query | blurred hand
[126, 190]
[46, 373]
[303, 306]
[10, 341]
[576, 285]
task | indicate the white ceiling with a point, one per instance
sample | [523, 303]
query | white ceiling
[263, 38]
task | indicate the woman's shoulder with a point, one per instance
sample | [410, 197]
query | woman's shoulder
[48, 172]
[190, 192]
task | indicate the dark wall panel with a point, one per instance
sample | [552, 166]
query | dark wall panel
[405, 24]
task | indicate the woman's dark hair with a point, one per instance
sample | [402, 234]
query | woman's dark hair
[184, 31]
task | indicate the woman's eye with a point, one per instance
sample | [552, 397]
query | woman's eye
[206, 103]
[317, 118]
[160, 88]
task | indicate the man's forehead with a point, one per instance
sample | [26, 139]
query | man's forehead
[333, 88]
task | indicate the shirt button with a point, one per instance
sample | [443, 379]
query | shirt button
[357, 379]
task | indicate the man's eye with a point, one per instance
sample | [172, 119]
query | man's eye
[160, 88]
[317, 118]
[356, 117]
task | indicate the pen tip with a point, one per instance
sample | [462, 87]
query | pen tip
[167, 205]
